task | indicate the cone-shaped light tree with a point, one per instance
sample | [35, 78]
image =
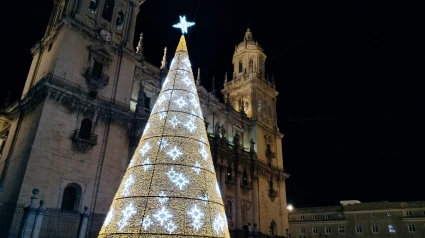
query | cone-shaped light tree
[170, 186]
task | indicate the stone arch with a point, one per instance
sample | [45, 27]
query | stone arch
[71, 197]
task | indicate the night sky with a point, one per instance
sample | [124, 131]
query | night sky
[350, 75]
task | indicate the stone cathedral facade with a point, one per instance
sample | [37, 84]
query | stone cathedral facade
[85, 103]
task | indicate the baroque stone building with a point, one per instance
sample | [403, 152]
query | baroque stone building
[355, 219]
[85, 103]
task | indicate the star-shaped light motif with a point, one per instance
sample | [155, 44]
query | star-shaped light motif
[162, 143]
[218, 224]
[163, 97]
[145, 148]
[127, 185]
[171, 173]
[109, 216]
[171, 227]
[190, 125]
[203, 152]
[180, 180]
[187, 80]
[174, 153]
[162, 215]
[146, 222]
[181, 102]
[162, 199]
[126, 214]
[194, 101]
[183, 24]
[197, 167]
[174, 121]
[196, 214]
[146, 164]
[162, 114]
[204, 197]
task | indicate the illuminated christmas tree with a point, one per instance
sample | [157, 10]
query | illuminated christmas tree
[170, 186]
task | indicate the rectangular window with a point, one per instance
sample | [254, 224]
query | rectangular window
[328, 230]
[389, 214]
[412, 228]
[302, 230]
[97, 69]
[315, 230]
[302, 218]
[326, 217]
[359, 229]
[408, 213]
[375, 229]
[341, 229]
[313, 217]
[391, 228]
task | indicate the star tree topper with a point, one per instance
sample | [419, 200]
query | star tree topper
[183, 24]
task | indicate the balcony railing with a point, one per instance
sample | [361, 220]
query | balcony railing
[83, 144]
[273, 193]
[94, 81]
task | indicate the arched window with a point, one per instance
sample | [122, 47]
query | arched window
[229, 173]
[108, 9]
[273, 228]
[120, 20]
[71, 197]
[240, 66]
[245, 178]
[229, 209]
[85, 129]
[93, 6]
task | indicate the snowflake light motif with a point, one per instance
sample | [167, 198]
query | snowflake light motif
[163, 97]
[162, 199]
[181, 102]
[204, 197]
[109, 216]
[162, 143]
[194, 101]
[146, 164]
[203, 152]
[190, 125]
[171, 173]
[162, 215]
[146, 222]
[146, 147]
[162, 114]
[171, 227]
[187, 80]
[174, 121]
[197, 167]
[127, 185]
[218, 224]
[126, 214]
[174, 153]
[180, 180]
[196, 214]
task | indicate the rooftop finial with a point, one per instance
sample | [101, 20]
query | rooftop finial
[139, 47]
[198, 78]
[248, 35]
[164, 59]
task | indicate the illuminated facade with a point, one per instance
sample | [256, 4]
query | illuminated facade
[85, 105]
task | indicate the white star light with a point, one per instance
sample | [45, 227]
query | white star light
[218, 224]
[126, 214]
[162, 199]
[170, 227]
[127, 185]
[162, 143]
[146, 147]
[180, 180]
[181, 102]
[174, 153]
[162, 215]
[163, 97]
[197, 167]
[174, 121]
[147, 222]
[171, 173]
[196, 214]
[162, 114]
[146, 164]
[186, 80]
[194, 102]
[190, 125]
[183, 24]
[109, 217]
[203, 152]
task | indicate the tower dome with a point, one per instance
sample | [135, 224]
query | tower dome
[248, 42]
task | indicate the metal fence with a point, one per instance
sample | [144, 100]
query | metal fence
[57, 223]
[95, 223]
[11, 215]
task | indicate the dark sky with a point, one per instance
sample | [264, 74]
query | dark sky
[350, 75]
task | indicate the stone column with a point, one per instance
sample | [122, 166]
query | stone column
[29, 219]
[223, 172]
[255, 218]
[38, 220]
[82, 228]
[238, 204]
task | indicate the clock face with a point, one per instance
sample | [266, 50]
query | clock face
[105, 35]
